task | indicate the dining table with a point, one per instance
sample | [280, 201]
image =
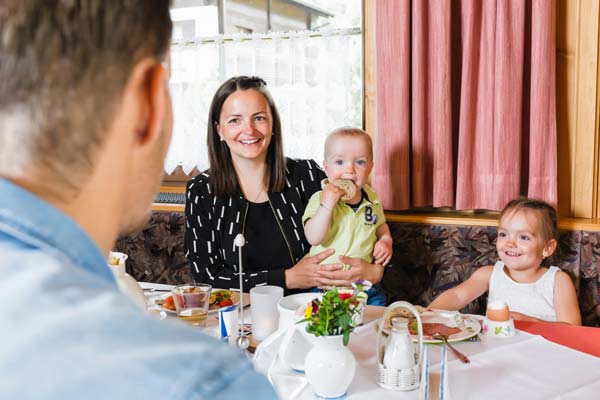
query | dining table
[541, 361]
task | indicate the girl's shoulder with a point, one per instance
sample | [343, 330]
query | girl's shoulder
[484, 271]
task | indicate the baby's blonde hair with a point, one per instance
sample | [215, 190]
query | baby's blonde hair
[349, 131]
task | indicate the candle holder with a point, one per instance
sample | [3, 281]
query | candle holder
[242, 340]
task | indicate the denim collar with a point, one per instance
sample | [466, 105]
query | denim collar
[36, 222]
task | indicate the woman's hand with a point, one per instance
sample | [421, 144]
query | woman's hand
[334, 275]
[304, 274]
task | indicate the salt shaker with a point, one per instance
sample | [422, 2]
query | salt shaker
[399, 351]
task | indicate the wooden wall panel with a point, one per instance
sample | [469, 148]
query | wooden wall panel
[578, 55]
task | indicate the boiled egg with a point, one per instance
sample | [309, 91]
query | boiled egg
[498, 311]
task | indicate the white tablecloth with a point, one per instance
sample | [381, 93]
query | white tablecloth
[522, 367]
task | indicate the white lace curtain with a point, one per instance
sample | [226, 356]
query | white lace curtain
[314, 77]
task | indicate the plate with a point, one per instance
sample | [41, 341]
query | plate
[469, 328]
[213, 308]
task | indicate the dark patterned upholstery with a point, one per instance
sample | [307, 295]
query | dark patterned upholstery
[156, 253]
[428, 259]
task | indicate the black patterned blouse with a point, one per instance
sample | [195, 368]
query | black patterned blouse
[212, 224]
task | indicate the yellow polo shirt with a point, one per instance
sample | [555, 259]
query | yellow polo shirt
[351, 234]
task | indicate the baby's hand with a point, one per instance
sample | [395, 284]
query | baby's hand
[331, 195]
[382, 252]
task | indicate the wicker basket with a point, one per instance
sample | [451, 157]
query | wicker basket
[399, 379]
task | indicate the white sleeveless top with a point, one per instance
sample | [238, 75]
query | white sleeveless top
[534, 299]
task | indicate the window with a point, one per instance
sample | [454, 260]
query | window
[309, 53]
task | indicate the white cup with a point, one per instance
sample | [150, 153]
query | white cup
[289, 308]
[263, 306]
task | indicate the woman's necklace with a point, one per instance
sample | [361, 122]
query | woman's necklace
[257, 196]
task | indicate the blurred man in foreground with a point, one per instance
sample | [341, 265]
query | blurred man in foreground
[85, 122]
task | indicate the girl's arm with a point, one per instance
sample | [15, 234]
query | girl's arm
[461, 295]
[565, 300]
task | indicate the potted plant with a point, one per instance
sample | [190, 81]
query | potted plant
[330, 365]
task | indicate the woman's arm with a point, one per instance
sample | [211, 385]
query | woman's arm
[335, 275]
[461, 295]
[305, 273]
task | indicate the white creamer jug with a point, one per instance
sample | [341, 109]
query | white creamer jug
[399, 351]
[125, 282]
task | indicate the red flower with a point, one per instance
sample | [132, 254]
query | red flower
[345, 296]
[315, 307]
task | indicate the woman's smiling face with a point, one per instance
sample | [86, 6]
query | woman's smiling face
[246, 125]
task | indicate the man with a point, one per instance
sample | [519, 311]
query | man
[85, 122]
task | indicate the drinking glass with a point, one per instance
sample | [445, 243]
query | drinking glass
[191, 302]
[263, 306]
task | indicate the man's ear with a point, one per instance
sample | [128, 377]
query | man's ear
[150, 80]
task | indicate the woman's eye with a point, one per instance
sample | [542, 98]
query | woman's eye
[261, 118]
[234, 121]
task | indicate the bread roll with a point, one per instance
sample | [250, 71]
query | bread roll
[348, 187]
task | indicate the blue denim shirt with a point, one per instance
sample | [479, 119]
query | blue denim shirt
[66, 332]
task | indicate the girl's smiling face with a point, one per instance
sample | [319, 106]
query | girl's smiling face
[521, 245]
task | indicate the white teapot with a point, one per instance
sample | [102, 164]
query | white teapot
[125, 282]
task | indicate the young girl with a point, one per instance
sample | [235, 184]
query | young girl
[526, 238]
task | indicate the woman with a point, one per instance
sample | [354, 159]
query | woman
[251, 188]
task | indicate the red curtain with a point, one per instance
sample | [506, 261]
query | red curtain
[466, 111]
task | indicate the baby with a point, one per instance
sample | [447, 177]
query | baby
[527, 234]
[349, 220]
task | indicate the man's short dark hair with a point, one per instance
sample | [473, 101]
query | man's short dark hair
[63, 68]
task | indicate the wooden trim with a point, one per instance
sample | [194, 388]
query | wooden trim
[172, 189]
[441, 219]
[369, 68]
[168, 207]
[596, 189]
[566, 224]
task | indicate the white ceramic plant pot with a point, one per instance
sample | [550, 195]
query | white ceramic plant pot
[329, 367]
[125, 282]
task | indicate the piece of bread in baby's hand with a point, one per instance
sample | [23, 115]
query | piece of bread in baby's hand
[348, 187]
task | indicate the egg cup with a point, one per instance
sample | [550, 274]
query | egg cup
[499, 329]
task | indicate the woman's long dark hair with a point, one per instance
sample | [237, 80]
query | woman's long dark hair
[223, 180]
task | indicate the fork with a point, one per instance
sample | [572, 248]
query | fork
[461, 356]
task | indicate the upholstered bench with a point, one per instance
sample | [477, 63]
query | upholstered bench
[428, 259]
